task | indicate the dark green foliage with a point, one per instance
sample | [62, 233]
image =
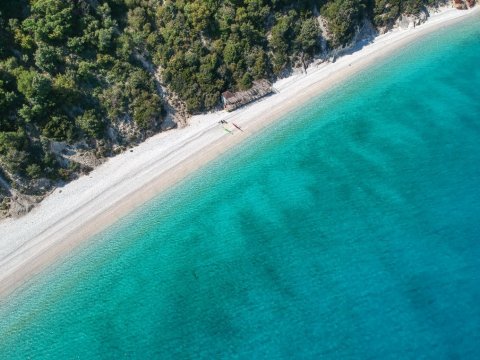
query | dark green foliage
[343, 16]
[9, 100]
[48, 58]
[206, 47]
[35, 87]
[58, 128]
[50, 20]
[307, 40]
[281, 40]
[13, 151]
[91, 123]
[69, 70]
[33, 171]
[145, 109]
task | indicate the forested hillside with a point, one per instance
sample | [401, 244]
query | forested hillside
[98, 74]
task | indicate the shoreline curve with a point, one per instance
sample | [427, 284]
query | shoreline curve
[94, 202]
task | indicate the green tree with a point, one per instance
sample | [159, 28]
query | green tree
[91, 123]
[34, 171]
[308, 38]
[146, 110]
[282, 34]
[13, 151]
[343, 16]
[59, 128]
[51, 20]
[48, 58]
[34, 86]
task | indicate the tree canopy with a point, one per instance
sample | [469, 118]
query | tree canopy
[93, 72]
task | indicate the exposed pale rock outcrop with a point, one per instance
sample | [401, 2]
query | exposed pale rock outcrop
[364, 34]
[463, 4]
[409, 21]
[15, 204]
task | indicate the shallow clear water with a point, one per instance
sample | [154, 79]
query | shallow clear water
[351, 229]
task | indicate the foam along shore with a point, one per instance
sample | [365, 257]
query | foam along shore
[88, 205]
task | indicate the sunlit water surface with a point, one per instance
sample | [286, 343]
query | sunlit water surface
[350, 229]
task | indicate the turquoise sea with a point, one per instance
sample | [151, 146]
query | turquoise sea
[348, 230]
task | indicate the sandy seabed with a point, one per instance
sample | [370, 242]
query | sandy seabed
[90, 204]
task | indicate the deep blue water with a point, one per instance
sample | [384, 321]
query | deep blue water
[351, 229]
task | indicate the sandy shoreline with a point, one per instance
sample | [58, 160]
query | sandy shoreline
[90, 204]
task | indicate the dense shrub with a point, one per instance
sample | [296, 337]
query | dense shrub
[71, 69]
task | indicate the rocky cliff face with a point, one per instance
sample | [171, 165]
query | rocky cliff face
[463, 4]
[19, 195]
[409, 21]
[14, 203]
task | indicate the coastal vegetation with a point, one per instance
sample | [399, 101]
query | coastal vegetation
[83, 79]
